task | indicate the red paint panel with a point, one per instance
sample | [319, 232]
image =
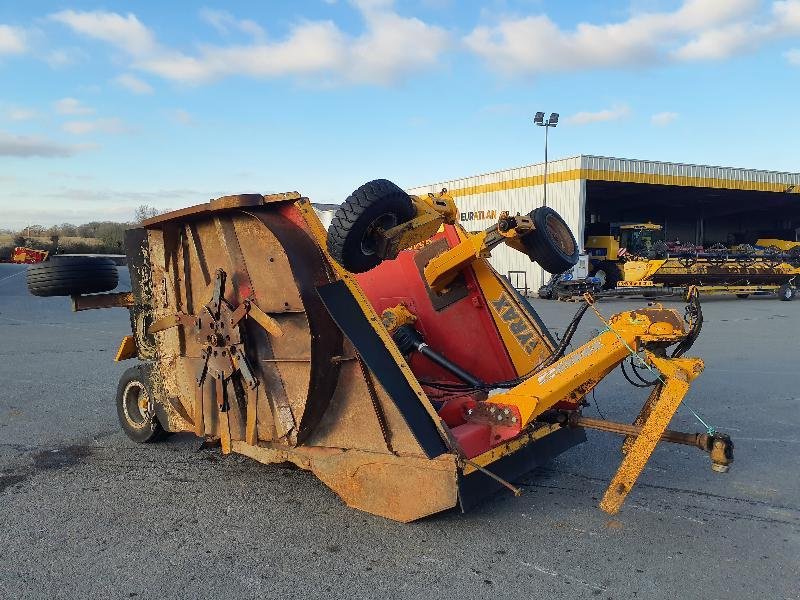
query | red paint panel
[464, 332]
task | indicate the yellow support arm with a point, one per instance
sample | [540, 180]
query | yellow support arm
[570, 378]
[677, 373]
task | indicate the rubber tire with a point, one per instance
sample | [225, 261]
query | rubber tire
[543, 249]
[612, 271]
[150, 430]
[786, 292]
[71, 275]
[743, 296]
[356, 215]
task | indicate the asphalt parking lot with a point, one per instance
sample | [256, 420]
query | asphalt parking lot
[85, 512]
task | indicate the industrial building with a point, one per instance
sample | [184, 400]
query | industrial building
[696, 204]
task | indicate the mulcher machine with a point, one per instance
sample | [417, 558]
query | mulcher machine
[384, 355]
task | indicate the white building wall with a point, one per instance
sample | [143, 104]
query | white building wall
[481, 198]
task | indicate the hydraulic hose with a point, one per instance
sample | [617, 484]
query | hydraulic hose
[410, 340]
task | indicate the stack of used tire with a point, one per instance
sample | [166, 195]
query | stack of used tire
[72, 275]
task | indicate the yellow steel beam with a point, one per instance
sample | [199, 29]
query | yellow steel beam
[569, 378]
[127, 349]
[443, 269]
[269, 324]
[677, 374]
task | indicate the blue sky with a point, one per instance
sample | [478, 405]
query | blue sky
[104, 107]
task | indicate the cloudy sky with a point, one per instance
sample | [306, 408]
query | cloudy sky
[107, 106]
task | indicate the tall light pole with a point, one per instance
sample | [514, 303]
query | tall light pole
[552, 121]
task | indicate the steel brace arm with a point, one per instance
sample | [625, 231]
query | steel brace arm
[677, 375]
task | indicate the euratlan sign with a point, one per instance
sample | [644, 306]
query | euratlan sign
[478, 215]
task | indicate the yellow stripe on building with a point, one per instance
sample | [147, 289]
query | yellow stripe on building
[622, 177]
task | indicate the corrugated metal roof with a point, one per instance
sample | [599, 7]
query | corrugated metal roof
[607, 168]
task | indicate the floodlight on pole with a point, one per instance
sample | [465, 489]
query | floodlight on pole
[552, 121]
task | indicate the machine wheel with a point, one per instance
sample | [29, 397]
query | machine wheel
[135, 406]
[377, 204]
[551, 243]
[609, 273]
[743, 296]
[70, 275]
[786, 292]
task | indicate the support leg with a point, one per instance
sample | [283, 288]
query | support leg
[642, 416]
[678, 374]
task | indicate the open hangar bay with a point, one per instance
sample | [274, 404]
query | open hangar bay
[86, 512]
[697, 204]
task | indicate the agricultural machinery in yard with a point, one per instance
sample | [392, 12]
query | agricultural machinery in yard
[385, 354]
[639, 260]
[23, 255]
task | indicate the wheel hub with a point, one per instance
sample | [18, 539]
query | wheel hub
[136, 404]
[218, 338]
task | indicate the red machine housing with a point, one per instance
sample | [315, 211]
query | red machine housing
[463, 331]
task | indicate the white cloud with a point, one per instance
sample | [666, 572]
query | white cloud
[21, 114]
[787, 15]
[71, 106]
[225, 23]
[125, 32]
[12, 40]
[663, 118]
[696, 30]
[608, 114]
[133, 84]
[721, 43]
[111, 126]
[389, 47]
[793, 56]
[310, 47]
[383, 52]
[64, 57]
[22, 146]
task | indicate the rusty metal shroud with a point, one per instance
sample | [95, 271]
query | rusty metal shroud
[261, 341]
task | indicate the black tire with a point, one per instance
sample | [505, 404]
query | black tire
[743, 296]
[786, 292]
[137, 416]
[378, 203]
[551, 243]
[70, 275]
[612, 274]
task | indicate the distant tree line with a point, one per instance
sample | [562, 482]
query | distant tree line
[96, 237]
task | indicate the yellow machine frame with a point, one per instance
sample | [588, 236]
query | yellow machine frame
[644, 333]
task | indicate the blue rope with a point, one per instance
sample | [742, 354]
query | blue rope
[709, 429]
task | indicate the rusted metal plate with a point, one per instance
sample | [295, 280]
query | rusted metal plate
[403, 488]
[210, 207]
[112, 300]
[274, 285]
